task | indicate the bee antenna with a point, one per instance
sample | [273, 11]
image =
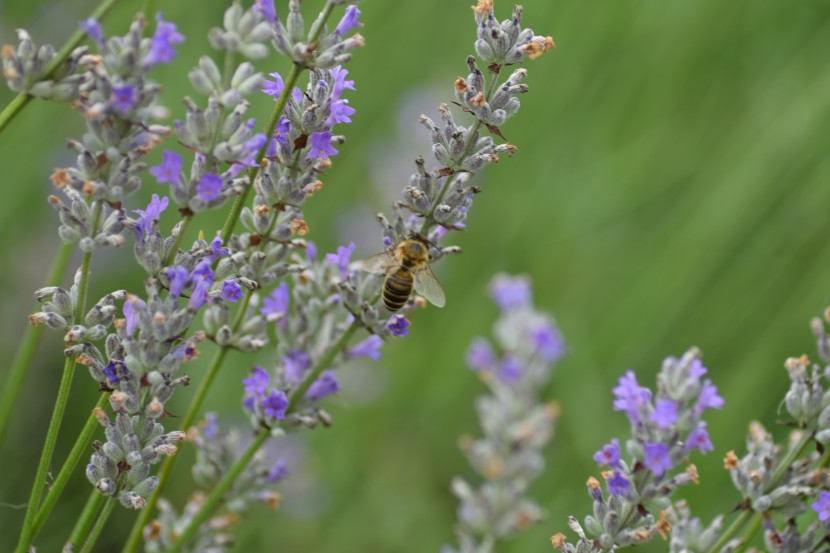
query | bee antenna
[424, 239]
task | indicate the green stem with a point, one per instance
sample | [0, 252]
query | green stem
[78, 450]
[19, 102]
[149, 8]
[26, 534]
[782, 468]
[99, 525]
[87, 518]
[10, 389]
[217, 493]
[756, 524]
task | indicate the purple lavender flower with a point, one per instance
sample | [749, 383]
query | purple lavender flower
[132, 306]
[257, 383]
[200, 294]
[618, 485]
[665, 413]
[321, 146]
[510, 369]
[340, 83]
[161, 45]
[266, 8]
[699, 439]
[480, 355]
[397, 325]
[708, 398]
[92, 27]
[211, 427]
[609, 454]
[311, 252]
[202, 271]
[231, 291]
[274, 88]
[324, 386]
[342, 258]
[147, 216]
[696, 369]
[170, 169]
[277, 304]
[123, 99]
[177, 276]
[349, 21]
[341, 112]
[217, 250]
[295, 364]
[209, 187]
[510, 292]
[548, 342]
[278, 472]
[631, 397]
[657, 458]
[370, 347]
[822, 506]
[113, 369]
[274, 405]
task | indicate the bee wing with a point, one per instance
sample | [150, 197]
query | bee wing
[380, 264]
[427, 285]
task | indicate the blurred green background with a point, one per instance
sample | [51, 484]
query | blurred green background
[671, 188]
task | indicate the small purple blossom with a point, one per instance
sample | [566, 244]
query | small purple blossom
[631, 397]
[348, 22]
[321, 146]
[398, 325]
[295, 364]
[699, 439]
[177, 276]
[161, 45]
[132, 306]
[274, 88]
[310, 252]
[370, 347]
[665, 413]
[696, 369]
[609, 454]
[209, 187]
[548, 342]
[274, 405]
[340, 84]
[113, 370]
[341, 112]
[822, 506]
[708, 398]
[276, 305]
[147, 216]
[258, 382]
[510, 369]
[200, 296]
[202, 271]
[618, 485]
[210, 428]
[297, 95]
[92, 27]
[510, 292]
[342, 259]
[217, 250]
[123, 99]
[278, 472]
[324, 386]
[170, 169]
[480, 355]
[267, 9]
[657, 458]
[231, 291]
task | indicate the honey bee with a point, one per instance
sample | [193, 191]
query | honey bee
[406, 266]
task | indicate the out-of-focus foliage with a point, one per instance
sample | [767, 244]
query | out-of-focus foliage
[671, 188]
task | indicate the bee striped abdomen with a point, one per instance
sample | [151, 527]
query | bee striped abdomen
[397, 288]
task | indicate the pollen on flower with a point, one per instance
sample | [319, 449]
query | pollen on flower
[558, 541]
[691, 471]
[460, 84]
[663, 526]
[59, 177]
[261, 209]
[482, 7]
[478, 100]
[314, 187]
[730, 462]
[88, 188]
[538, 46]
[299, 227]
[593, 483]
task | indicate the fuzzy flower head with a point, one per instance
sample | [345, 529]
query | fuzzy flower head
[161, 45]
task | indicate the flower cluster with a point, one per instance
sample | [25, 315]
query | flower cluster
[516, 424]
[216, 450]
[666, 427]
[25, 69]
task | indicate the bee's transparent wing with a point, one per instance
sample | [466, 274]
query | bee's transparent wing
[427, 285]
[379, 264]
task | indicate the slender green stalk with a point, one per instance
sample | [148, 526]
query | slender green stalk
[783, 467]
[10, 389]
[756, 524]
[19, 102]
[217, 493]
[149, 8]
[99, 525]
[46, 455]
[68, 469]
[87, 518]
[171, 255]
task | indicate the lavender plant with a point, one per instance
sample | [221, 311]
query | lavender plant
[516, 424]
[242, 284]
